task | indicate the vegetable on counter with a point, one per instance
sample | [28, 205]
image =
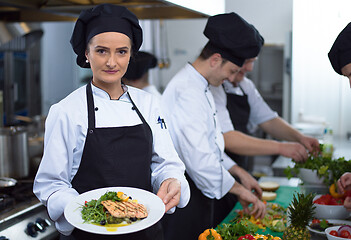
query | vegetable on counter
[327, 168]
[234, 231]
[328, 199]
[343, 232]
[275, 218]
[210, 234]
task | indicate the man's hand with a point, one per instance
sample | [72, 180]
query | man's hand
[347, 203]
[344, 183]
[169, 192]
[293, 150]
[310, 143]
[246, 198]
[247, 180]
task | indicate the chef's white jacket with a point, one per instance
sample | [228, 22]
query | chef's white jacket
[260, 112]
[153, 90]
[65, 133]
[192, 121]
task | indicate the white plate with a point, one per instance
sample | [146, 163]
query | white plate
[333, 221]
[154, 205]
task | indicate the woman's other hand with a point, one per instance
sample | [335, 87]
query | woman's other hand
[169, 192]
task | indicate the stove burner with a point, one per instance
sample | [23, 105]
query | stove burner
[6, 203]
[21, 194]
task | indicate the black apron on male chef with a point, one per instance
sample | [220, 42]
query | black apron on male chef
[115, 156]
[239, 110]
[200, 214]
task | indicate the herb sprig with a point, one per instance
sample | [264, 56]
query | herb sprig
[327, 168]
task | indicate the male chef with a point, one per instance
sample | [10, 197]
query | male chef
[195, 130]
[340, 53]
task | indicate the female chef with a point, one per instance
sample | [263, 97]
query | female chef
[105, 133]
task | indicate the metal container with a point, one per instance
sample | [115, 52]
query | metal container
[14, 160]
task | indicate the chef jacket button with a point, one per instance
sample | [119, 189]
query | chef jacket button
[96, 108]
[91, 131]
[133, 108]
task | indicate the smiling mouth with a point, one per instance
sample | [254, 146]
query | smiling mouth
[110, 71]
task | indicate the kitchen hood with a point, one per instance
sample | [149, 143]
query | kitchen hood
[68, 10]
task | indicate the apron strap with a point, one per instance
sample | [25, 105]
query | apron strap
[136, 109]
[91, 113]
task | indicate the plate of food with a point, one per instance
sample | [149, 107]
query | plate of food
[114, 210]
[319, 225]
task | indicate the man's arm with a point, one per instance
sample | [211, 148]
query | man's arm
[246, 180]
[243, 144]
[280, 129]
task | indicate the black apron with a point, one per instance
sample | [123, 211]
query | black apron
[115, 156]
[239, 110]
[200, 213]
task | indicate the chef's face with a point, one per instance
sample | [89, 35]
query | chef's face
[108, 54]
[247, 67]
[225, 71]
[346, 71]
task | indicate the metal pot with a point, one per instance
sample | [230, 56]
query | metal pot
[14, 161]
[7, 185]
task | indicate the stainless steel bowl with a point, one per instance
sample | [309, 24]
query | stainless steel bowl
[7, 184]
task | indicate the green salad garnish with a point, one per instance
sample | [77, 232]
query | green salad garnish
[93, 211]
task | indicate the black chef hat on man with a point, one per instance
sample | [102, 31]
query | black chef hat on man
[104, 18]
[232, 37]
[139, 65]
[340, 53]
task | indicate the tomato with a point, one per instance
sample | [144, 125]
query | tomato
[320, 201]
[334, 233]
[249, 237]
[345, 234]
[316, 221]
[347, 193]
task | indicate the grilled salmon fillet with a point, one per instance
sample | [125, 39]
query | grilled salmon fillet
[125, 209]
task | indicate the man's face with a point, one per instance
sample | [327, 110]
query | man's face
[247, 67]
[225, 71]
[346, 71]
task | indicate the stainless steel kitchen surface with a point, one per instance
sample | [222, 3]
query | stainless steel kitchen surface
[22, 216]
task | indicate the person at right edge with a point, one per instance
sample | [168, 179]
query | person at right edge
[196, 133]
[340, 59]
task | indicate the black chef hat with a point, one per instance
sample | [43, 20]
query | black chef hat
[139, 65]
[340, 53]
[234, 38]
[104, 18]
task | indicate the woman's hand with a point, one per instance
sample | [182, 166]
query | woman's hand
[169, 192]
